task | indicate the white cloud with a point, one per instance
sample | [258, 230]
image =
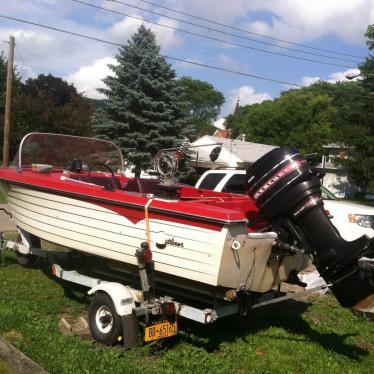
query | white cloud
[166, 37]
[299, 20]
[120, 31]
[24, 71]
[247, 96]
[339, 76]
[294, 20]
[49, 52]
[186, 65]
[33, 44]
[307, 81]
[89, 78]
[231, 63]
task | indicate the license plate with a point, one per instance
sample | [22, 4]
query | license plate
[160, 330]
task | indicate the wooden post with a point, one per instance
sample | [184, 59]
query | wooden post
[8, 102]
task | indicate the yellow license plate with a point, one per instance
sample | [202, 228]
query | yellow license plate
[160, 330]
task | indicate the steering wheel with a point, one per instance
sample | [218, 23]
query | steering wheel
[114, 184]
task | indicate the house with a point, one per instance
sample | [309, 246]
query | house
[222, 131]
[234, 153]
[241, 154]
[336, 179]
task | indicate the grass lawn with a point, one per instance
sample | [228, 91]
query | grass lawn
[316, 336]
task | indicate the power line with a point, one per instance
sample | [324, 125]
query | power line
[213, 38]
[248, 32]
[164, 56]
[208, 28]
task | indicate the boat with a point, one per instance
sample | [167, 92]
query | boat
[72, 191]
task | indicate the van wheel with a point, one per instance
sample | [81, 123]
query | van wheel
[104, 322]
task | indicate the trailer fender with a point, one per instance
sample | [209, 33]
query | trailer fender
[121, 296]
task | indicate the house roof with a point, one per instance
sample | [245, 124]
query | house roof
[221, 134]
[234, 153]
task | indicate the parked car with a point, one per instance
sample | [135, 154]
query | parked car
[352, 220]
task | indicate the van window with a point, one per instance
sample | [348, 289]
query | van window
[236, 184]
[211, 180]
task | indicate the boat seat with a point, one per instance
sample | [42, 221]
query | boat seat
[142, 186]
[98, 179]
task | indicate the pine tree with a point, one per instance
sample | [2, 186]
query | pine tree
[144, 111]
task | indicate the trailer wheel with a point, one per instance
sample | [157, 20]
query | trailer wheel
[105, 324]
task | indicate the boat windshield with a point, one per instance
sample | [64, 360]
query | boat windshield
[60, 151]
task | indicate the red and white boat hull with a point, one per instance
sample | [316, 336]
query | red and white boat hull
[218, 257]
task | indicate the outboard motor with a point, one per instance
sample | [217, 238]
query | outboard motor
[286, 190]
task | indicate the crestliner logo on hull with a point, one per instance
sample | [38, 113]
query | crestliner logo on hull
[174, 243]
[277, 177]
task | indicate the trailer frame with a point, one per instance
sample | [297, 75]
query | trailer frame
[139, 307]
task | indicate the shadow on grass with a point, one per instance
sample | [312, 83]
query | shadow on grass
[286, 315]
[72, 291]
[6, 261]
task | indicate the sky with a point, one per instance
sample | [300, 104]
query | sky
[330, 25]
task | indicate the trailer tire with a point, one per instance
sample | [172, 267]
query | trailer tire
[104, 322]
[25, 260]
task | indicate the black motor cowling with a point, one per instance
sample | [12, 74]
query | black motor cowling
[284, 186]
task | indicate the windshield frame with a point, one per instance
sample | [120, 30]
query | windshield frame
[18, 156]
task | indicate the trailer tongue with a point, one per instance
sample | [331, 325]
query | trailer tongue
[287, 191]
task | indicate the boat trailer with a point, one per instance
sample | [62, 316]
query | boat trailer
[128, 311]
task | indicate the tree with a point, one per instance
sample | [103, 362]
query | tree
[204, 103]
[297, 117]
[45, 104]
[16, 88]
[58, 91]
[58, 107]
[314, 116]
[367, 67]
[145, 111]
[352, 128]
[3, 78]
[360, 135]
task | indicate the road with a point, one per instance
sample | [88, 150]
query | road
[6, 224]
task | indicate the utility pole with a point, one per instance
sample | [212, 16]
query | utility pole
[8, 102]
